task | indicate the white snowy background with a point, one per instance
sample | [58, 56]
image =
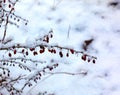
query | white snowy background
[84, 19]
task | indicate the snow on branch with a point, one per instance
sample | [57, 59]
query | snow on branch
[26, 58]
[7, 16]
[34, 50]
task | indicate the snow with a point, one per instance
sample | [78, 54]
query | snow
[86, 19]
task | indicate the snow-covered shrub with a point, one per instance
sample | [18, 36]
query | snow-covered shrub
[19, 67]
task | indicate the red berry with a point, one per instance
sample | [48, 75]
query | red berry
[94, 61]
[84, 57]
[15, 51]
[56, 65]
[72, 51]
[13, 47]
[50, 68]
[47, 39]
[67, 54]
[40, 74]
[89, 59]
[31, 49]
[12, 9]
[23, 50]
[61, 54]
[26, 52]
[49, 50]
[54, 51]
[9, 54]
[51, 36]
[41, 51]
[35, 53]
[9, 6]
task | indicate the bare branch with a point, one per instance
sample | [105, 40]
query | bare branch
[67, 73]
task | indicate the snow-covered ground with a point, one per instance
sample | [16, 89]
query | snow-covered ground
[73, 22]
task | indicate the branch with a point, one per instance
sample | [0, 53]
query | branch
[7, 20]
[56, 73]
[67, 73]
[7, 14]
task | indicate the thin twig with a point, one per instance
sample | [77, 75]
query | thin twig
[51, 74]
[6, 24]
[67, 73]
[68, 34]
